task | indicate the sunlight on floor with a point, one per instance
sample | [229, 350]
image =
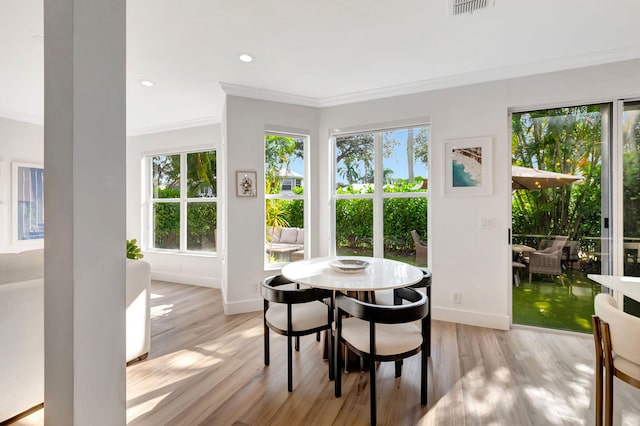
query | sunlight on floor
[145, 406]
[556, 410]
[161, 310]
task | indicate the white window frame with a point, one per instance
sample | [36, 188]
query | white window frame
[289, 195]
[183, 201]
[378, 196]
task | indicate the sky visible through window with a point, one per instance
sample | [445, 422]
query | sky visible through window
[397, 161]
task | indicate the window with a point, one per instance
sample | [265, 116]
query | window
[29, 201]
[380, 193]
[285, 198]
[183, 202]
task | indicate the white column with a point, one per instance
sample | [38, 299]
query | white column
[84, 178]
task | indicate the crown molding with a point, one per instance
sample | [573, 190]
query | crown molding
[268, 95]
[178, 125]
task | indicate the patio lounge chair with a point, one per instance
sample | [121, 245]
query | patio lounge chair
[421, 249]
[548, 260]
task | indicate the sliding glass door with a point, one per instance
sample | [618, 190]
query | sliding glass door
[630, 135]
[560, 206]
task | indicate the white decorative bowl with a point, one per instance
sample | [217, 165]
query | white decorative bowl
[349, 266]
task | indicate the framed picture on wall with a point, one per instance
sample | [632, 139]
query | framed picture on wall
[468, 166]
[28, 201]
[246, 183]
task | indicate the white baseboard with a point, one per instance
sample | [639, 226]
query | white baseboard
[243, 306]
[186, 279]
[500, 322]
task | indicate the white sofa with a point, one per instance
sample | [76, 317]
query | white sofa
[138, 306]
[22, 326]
[286, 241]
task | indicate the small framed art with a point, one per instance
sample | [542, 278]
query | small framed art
[246, 183]
[468, 167]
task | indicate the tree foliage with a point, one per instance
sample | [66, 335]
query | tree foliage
[201, 175]
[563, 140]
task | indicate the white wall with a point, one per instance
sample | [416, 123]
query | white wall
[463, 257]
[181, 268]
[246, 122]
[23, 143]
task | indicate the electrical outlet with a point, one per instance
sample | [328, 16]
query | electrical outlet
[256, 288]
[456, 297]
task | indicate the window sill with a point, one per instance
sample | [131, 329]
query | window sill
[180, 253]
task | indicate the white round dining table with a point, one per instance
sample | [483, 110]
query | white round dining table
[381, 274]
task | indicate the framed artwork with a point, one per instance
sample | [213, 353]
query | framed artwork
[468, 167]
[246, 183]
[28, 201]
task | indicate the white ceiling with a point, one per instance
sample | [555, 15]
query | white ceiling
[319, 52]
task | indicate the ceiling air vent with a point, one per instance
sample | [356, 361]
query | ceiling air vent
[458, 7]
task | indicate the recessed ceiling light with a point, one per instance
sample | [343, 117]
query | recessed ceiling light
[147, 83]
[245, 57]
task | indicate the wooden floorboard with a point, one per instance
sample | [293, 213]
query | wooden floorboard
[206, 368]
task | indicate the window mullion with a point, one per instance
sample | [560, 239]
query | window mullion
[378, 183]
[183, 202]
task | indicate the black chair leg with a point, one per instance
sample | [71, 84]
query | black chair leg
[428, 335]
[297, 343]
[318, 336]
[337, 373]
[330, 356]
[423, 378]
[266, 345]
[289, 365]
[372, 387]
[398, 368]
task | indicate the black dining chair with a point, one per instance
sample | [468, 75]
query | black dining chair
[382, 333]
[389, 297]
[293, 312]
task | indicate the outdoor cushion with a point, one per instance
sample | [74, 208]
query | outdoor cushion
[288, 235]
[300, 238]
[273, 234]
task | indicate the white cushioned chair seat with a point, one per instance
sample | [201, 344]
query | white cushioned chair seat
[304, 316]
[628, 367]
[624, 330]
[391, 339]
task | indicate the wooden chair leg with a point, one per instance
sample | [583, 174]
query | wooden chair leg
[608, 404]
[597, 337]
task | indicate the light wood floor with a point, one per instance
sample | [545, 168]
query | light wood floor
[206, 368]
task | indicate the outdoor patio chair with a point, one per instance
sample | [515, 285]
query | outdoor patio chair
[548, 260]
[421, 249]
[631, 251]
